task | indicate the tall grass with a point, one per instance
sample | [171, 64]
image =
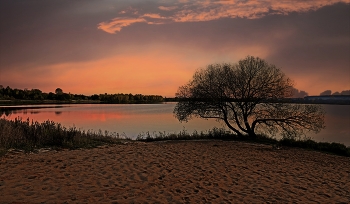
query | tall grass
[29, 135]
[215, 133]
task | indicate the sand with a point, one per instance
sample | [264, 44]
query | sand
[175, 172]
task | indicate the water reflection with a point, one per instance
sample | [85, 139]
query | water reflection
[134, 119]
[8, 110]
[337, 122]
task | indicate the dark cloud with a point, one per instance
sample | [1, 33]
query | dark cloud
[321, 39]
[45, 32]
[36, 34]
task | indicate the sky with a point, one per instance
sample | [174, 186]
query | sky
[153, 47]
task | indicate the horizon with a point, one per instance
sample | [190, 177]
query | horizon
[154, 47]
[326, 93]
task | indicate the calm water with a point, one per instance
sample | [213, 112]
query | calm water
[134, 119]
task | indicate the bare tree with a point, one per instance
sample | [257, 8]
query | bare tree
[245, 96]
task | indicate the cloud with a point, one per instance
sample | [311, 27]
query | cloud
[198, 11]
[117, 24]
[153, 15]
[167, 8]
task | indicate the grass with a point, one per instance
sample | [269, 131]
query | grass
[335, 148]
[221, 134]
[215, 133]
[29, 136]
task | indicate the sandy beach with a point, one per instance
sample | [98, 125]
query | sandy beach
[175, 172]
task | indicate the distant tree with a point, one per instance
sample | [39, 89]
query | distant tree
[59, 91]
[298, 94]
[1, 92]
[45, 95]
[35, 94]
[244, 97]
[51, 96]
[66, 96]
[95, 97]
[326, 93]
[345, 92]
[336, 93]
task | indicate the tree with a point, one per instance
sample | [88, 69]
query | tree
[59, 91]
[345, 92]
[245, 96]
[299, 94]
[326, 93]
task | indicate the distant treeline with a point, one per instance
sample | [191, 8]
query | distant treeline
[36, 94]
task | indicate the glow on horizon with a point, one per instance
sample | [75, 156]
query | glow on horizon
[153, 73]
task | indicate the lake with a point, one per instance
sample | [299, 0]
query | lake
[132, 120]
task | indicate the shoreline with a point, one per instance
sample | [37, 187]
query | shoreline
[18, 102]
[176, 172]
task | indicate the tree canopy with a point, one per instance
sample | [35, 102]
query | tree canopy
[246, 96]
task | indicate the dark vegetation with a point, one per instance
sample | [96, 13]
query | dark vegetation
[36, 96]
[29, 136]
[221, 134]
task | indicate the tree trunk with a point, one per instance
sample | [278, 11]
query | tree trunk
[252, 134]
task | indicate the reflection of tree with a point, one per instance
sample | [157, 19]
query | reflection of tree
[32, 110]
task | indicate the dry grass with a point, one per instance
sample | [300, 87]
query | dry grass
[29, 135]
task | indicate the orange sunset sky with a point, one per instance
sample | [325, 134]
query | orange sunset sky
[153, 47]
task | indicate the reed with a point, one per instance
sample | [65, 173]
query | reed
[29, 135]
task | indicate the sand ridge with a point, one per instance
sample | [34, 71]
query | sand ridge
[176, 172]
